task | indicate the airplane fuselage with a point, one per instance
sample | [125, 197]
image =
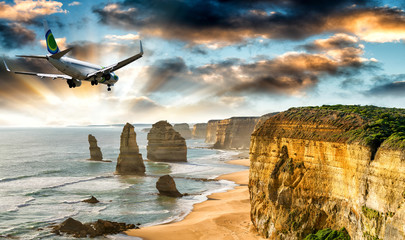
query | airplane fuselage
[80, 70]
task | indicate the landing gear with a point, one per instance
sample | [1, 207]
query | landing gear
[94, 82]
[71, 83]
[109, 87]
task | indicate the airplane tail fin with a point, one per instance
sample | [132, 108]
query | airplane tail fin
[50, 40]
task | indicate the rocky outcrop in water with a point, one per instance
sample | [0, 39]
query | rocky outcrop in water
[234, 133]
[165, 144]
[99, 228]
[167, 187]
[211, 136]
[329, 167]
[183, 129]
[95, 152]
[199, 130]
[91, 200]
[129, 160]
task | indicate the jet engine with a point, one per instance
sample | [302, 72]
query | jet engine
[74, 83]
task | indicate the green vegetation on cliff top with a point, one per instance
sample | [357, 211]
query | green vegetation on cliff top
[368, 125]
[329, 234]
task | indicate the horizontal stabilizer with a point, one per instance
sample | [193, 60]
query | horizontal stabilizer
[41, 75]
[60, 54]
[32, 56]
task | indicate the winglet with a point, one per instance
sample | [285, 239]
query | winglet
[140, 43]
[60, 54]
[5, 64]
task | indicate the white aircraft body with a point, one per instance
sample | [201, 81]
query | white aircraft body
[76, 71]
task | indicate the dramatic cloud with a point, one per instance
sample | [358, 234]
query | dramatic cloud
[219, 23]
[291, 73]
[26, 10]
[388, 86]
[14, 35]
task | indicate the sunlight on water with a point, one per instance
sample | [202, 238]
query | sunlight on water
[44, 176]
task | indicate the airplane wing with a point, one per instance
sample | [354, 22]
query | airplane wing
[41, 75]
[116, 66]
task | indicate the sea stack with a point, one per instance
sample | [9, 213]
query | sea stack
[130, 160]
[167, 187]
[199, 130]
[95, 152]
[183, 129]
[165, 144]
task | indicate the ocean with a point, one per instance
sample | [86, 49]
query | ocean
[44, 176]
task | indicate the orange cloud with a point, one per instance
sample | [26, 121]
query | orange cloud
[26, 10]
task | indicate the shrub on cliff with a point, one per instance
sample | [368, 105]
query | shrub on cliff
[329, 234]
[368, 125]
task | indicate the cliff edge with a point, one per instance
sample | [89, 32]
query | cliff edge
[314, 168]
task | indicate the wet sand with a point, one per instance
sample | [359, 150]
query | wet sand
[223, 216]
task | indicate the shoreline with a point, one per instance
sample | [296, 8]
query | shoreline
[224, 215]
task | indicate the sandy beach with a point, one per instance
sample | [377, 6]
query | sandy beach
[223, 216]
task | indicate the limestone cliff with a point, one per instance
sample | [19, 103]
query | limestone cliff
[129, 160]
[183, 129]
[199, 130]
[165, 144]
[329, 167]
[95, 152]
[263, 119]
[211, 136]
[234, 133]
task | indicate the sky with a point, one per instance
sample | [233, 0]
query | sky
[203, 59]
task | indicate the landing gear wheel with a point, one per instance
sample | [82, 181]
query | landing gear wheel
[92, 83]
[109, 87]
[95, 82]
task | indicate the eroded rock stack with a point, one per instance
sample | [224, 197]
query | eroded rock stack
[165, 144]
[234, 133]
[211, 136]
[129, 160]
[95, 152]
[183, 129]
[199, 130]
[167, 187]
[318, 168]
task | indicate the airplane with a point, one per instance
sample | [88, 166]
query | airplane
[76, 71]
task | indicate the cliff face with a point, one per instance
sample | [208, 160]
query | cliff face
[234, 133]
[211, 136]
[307, 175]
[183, 129]
[199, 130]
[95, 152]
[129, 160]
[165, 144]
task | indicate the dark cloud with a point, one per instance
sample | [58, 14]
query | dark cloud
[167, 75]
[290, 73]
[14, 35]
[202, 22]
[388, 86]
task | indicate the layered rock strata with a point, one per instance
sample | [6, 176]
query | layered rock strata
[167, 187]
[183, 129]
[211, 136]
[263, 119]
[95, 152]
[234, 133]
[307, 173]
[199, 130]
[129, 160]
[165, 144]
